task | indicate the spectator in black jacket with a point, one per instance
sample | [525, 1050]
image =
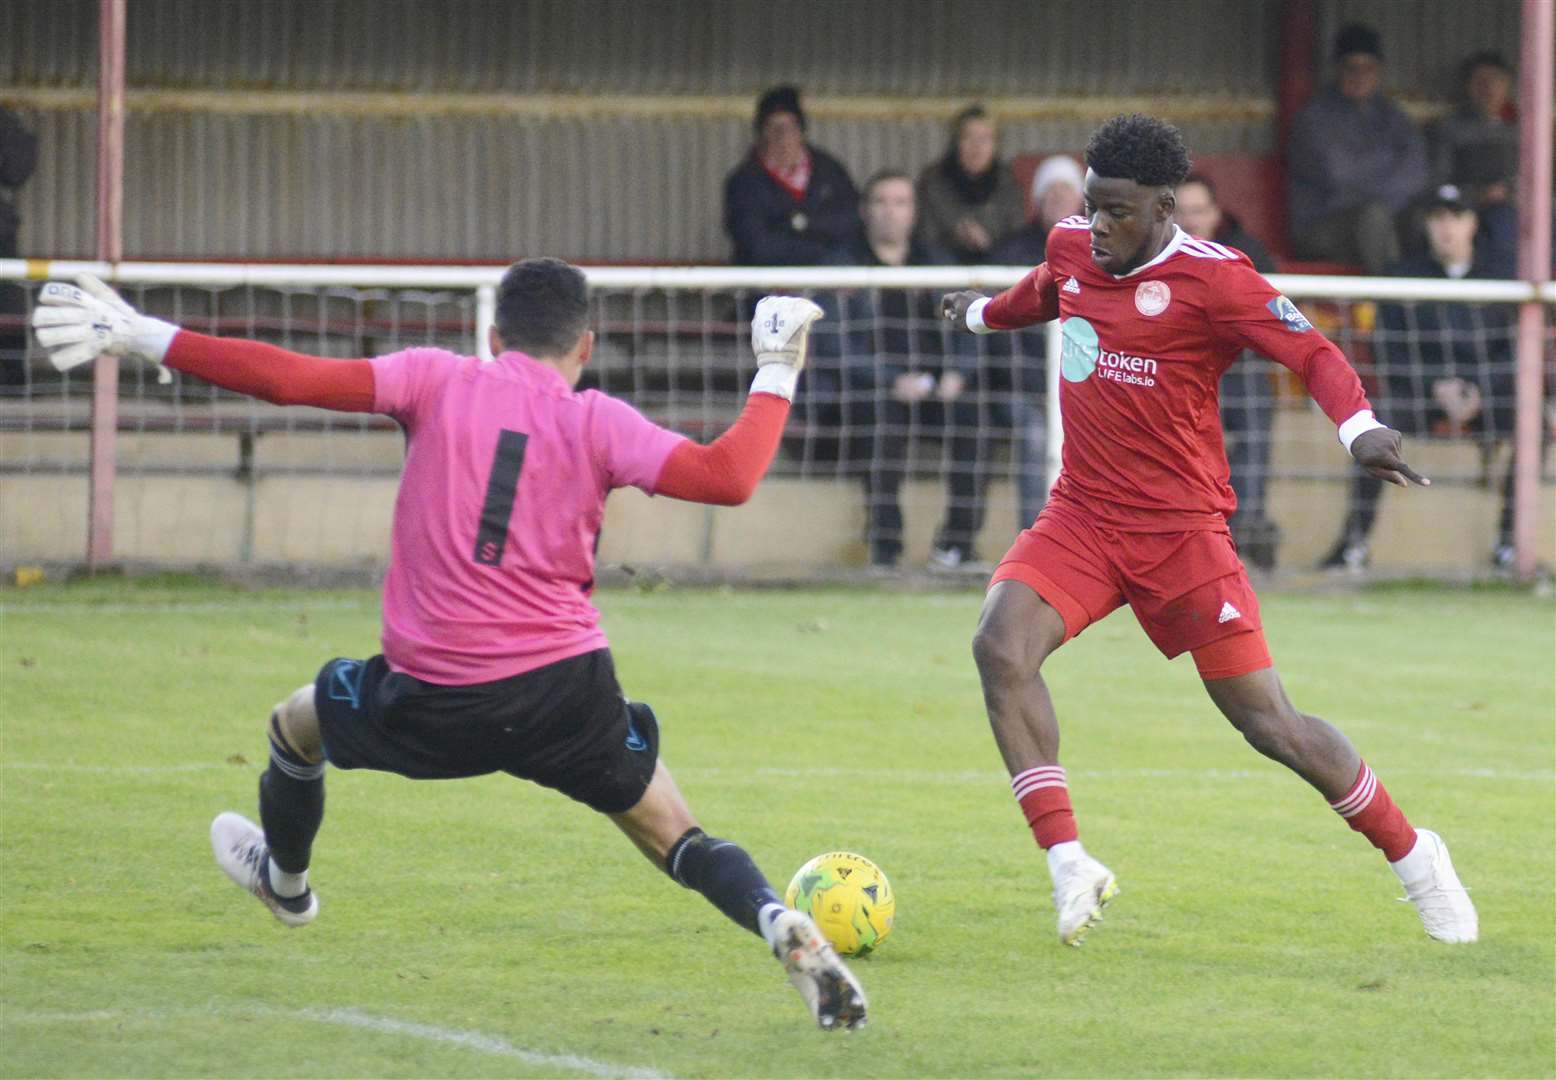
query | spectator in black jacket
[788, 203]
[18, 157]
[886, 358]
[1247, 394]
[1444, 369]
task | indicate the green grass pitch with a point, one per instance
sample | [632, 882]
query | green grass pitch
[489, 928]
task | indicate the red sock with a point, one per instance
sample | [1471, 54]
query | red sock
[1368, 809]
[1044, 796]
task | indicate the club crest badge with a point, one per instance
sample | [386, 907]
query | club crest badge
[1152, 297]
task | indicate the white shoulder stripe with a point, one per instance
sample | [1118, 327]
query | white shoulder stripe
[1205, 250]
[1076, 222]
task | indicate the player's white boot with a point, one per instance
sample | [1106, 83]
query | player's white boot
[1082, 888]
[835, 997]
[1432, 885]
[241, 852]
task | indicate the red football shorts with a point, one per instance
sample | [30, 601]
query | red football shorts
[1188, 589]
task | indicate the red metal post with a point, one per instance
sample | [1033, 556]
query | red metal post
[1534, 265]
[1298, 75]
[110, 248]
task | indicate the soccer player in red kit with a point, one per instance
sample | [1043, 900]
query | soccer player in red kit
[1151, 317]
[493, 659]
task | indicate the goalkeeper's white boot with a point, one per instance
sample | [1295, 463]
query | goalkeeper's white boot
[241, 852]
[1082, 888]
[1434, 888]
[835, 997]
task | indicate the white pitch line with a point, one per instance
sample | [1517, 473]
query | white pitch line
[354, 1018]
[917, 776]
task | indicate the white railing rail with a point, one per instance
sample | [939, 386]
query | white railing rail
[1310, 286]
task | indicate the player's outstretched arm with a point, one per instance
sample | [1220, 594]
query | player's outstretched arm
[727, 470]
[1033, 299]
[77, 323]
[1377, 451]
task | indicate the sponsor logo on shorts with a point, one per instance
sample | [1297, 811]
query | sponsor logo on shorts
[1288, 314]
[635, 742]
[1152, 297]
[1081, 355]
[1228, 613]
[346, 682]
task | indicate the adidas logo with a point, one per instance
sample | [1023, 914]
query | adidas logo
[1228, 613]
[1072, 286]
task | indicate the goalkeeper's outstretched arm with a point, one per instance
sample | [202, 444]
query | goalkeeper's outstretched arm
[77, 323]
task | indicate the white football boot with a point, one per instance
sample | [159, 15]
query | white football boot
[1434, 888]
[241, 852]
[835, 997]
[1082, 888]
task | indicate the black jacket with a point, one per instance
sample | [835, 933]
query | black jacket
[870, 336]
[769, 228]
[1418, 343]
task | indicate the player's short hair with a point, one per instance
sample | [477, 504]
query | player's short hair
[880, 176]
[1139, 148]
[542, 307]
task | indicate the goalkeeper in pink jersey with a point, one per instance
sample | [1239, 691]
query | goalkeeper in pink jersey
[1151, 317]
[493, 659]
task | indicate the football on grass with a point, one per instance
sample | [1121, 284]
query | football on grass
[848, 897]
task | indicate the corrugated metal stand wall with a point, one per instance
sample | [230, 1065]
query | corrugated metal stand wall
[603, 129]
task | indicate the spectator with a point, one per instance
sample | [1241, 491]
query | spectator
[788, 203]
[884, 358]
[18, 157]
[969, 200]
[1475, 148]
[1057, 193]
[1445, 369]
[1355, 162]
[1247, 397]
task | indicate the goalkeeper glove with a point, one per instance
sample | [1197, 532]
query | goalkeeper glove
[77, 323]
[780, 331]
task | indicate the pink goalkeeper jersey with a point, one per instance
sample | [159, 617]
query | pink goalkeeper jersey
[498, 514]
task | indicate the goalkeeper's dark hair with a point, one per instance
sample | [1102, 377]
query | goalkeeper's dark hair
[542, 307]
[1139, 148]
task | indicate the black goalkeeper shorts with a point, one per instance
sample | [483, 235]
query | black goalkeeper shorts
[566, 726]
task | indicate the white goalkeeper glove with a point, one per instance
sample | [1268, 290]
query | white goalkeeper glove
[780, 331]
[77, 323]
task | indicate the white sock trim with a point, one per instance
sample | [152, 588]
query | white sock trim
[765, 918]
[1062, 855]
[1416, 866]
[1030, 780]
[287, 885]
[1359, 797]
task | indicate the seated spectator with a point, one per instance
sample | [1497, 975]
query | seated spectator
[1057, 193]
[1475, 148]
[969, 200]
[18, 158]
[1354, 164]
[788, 203]
[1444, 369]
[1247, 394]
[885, 357]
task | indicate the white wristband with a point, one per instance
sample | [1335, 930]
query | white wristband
[153, 338]
[778, 379]
[975, 321]
[1358, 423]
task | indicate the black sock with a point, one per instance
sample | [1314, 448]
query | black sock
[724, 873]
[291, 807]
